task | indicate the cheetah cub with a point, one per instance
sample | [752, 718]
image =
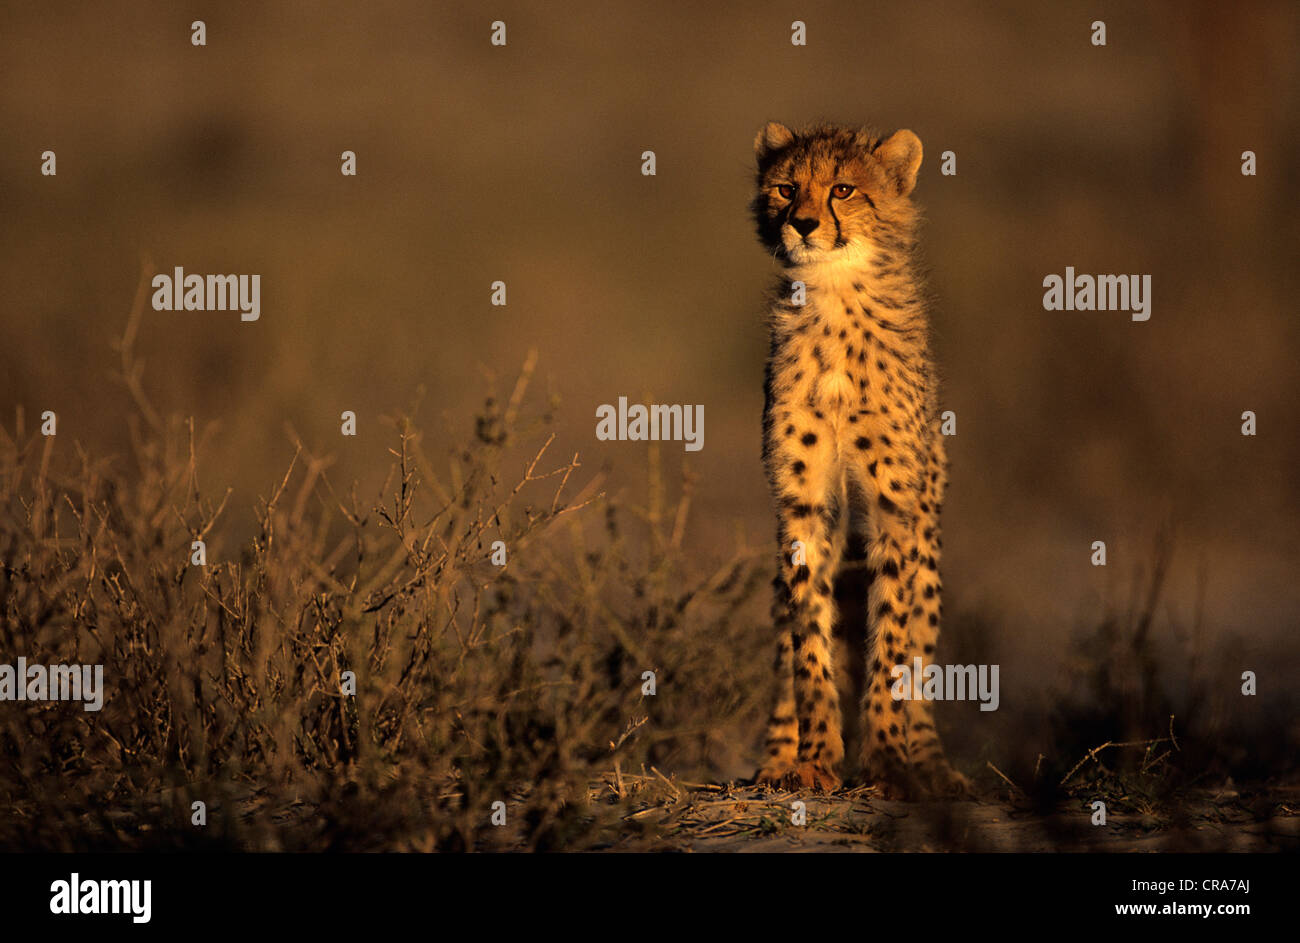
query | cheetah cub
[853, 456]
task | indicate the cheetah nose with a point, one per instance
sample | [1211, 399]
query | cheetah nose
[803, 226]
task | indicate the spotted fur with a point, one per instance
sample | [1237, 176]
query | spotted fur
[853, 454]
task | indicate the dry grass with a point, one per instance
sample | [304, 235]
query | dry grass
[474, 682]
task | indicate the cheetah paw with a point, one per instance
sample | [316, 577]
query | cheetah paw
[807, 775]
[895, 780]
[940, 779]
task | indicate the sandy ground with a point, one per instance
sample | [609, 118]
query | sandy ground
[652, 813]
[750, 819]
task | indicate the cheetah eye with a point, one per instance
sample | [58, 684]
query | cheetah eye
[841, 190]
[786, 190]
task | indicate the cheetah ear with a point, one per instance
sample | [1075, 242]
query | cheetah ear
[900, 155]
[773, 137]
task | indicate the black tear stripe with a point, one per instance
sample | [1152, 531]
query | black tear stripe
[830, 205]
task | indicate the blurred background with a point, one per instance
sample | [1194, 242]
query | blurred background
[477, 163]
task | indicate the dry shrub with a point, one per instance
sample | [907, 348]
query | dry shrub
[475, 683]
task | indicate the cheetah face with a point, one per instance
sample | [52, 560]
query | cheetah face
[832, 193]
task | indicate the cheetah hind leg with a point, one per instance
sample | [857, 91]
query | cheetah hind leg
[931, 773]
[786, 772]
[914, 768]
[931, 778]
[892, 777]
